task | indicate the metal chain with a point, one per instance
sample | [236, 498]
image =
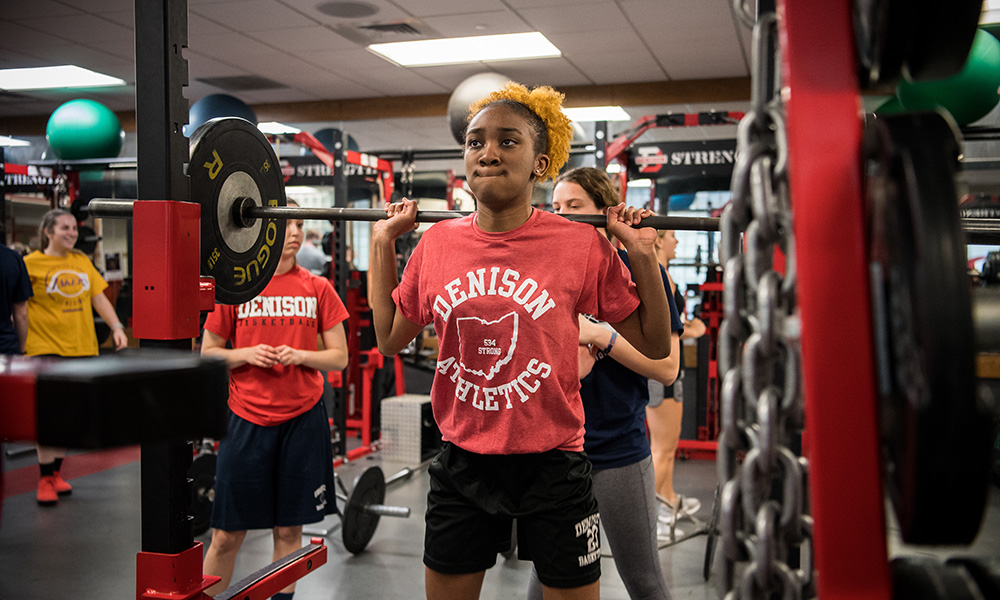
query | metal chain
[766, 530]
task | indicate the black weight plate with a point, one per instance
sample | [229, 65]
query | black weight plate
[934, 437]
[202, 476]
[231, 158]
[923, 578]
[359, 524]
[996, 457]
[882, 35]
[942, 37]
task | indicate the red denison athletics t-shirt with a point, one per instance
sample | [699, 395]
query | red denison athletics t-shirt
[505, 308]
[292, 310]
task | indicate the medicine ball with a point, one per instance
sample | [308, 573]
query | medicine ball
[214, 106]
[473, 88]
[82, 129]
[970, 94]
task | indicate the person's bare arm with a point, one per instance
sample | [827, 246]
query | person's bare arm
[21, 324]
[663, 370]
[648, 327]
[333, 356]
[393, 331]
[695, 328]
[103, 307]
[260, 355]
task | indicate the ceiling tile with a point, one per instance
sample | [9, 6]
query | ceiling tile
[555, 72]
[469, 24]
[26, 39]
[80, 29]
[88, 58]
[385, 12]
[589, 17]
[357, 61]
[707, 67]
[18, 10]
[125, 18]
[450, 76]
[339, 87]
[431, 8]
[570, 44]
[566, 4]
[9, 59]
[227, 46]
[199, 25]
[202, 66]
[278, 95]
[677, 14]
[303, 39]
[99, 6]
[252, 15]
[619, 67]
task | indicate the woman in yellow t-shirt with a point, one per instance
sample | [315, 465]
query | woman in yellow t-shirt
[67, 290]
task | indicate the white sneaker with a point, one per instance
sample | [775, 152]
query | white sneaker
[663, 533]
[688, 506]
[665, 514]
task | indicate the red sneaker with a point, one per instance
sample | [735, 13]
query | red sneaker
[47, 495]
[62, 487]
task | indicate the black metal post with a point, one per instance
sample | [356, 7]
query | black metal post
[3, 199]
[161, 112]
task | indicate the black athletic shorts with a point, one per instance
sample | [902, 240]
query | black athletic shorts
[474, 497]
[279, 476]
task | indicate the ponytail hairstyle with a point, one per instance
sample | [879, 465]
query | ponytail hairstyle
[48, 222]
[542, 107]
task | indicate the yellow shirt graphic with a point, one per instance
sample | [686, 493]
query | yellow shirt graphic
[60, 314]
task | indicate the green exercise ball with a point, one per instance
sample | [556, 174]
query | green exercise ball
[890, 107]
[84, 129]
[970, 94]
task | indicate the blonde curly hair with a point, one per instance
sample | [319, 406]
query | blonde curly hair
[542, 106]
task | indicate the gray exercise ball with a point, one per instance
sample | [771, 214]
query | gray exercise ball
[467, 92]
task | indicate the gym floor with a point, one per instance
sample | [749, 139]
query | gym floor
[86, 546]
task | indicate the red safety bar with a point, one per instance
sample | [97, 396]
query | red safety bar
[824, 143]
[180, 577]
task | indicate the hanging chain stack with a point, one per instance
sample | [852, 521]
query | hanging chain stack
[766, 530]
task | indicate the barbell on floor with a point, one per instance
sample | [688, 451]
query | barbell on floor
[363, 507]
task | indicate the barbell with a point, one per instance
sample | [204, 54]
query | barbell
[363, 507]
[235, 177]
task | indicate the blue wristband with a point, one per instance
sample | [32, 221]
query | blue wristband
[607, 350]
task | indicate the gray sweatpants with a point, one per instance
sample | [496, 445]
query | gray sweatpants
[628, 512]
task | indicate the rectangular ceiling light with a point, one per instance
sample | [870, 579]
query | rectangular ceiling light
[597, 113]
[6, 140]
[483, 48]
[275, 128]
[62, 76]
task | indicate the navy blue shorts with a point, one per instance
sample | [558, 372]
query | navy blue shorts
[473, 499]
[279, 476]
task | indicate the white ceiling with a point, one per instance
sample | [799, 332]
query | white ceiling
[312, 56]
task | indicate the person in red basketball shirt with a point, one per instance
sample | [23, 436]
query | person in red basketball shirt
[504, 288]
[275, 465]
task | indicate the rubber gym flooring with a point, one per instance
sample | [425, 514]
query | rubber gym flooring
[86, 546]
